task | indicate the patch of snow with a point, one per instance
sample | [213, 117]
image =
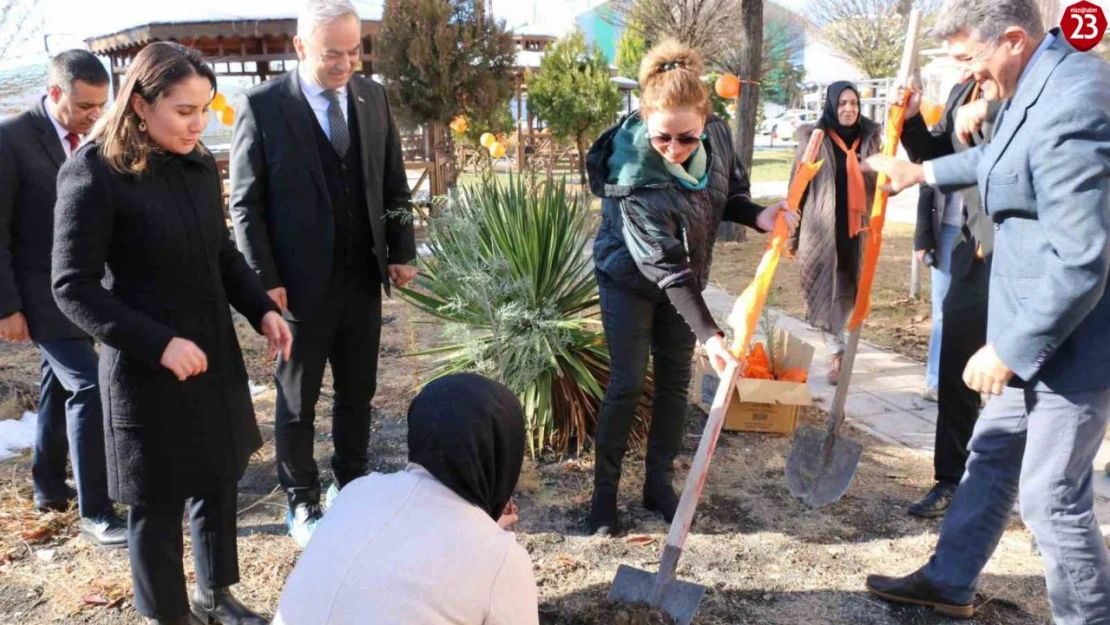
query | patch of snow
[17, 434]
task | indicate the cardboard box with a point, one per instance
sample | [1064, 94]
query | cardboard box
[760, 405]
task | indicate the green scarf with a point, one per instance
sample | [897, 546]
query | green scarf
[693, 175]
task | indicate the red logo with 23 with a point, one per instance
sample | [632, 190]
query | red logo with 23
[1083, 25]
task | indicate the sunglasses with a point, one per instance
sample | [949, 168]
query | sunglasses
[662, 141]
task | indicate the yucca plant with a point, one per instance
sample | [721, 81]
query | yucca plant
[509, 280]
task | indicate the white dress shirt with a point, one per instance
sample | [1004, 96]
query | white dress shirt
[62, 132]
[314, 93]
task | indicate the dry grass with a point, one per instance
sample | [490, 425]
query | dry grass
[897, 322]
[19, 379]
[765, 558]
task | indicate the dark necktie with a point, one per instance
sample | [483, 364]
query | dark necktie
[337, 125]
[74, 141]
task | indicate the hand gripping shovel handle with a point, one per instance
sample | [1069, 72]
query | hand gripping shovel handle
[695, 481]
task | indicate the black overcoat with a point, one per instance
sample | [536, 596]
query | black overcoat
[139, 260]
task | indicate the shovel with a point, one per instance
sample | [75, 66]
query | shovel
[661, 590]
[821, 465]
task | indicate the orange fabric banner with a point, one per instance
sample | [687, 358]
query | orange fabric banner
[745, 312]
[892, 135]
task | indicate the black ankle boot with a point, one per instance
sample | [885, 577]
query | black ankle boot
[661, 498]
[217, 606]
[604, 520]
[188, 619]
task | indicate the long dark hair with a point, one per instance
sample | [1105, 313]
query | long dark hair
[156, 70]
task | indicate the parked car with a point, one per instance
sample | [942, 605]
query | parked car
[786, 124]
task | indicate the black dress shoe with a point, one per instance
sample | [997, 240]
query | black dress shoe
[935, 504]
[56, 505]
[661, 499]
[105, 530]
[604, 520]
[915, 589]
[217, 606]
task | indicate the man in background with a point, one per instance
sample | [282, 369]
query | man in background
[33, 146]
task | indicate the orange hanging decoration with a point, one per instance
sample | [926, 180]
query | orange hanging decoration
[728, 86]
[227, 115]
[219, 102]
[891, 137]
[745, 312]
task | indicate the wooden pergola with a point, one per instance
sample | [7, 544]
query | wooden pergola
[255, 48]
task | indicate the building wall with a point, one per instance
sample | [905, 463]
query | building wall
[599, 31]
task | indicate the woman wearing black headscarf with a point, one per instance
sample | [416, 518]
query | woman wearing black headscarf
[834, 209]
[426, 545]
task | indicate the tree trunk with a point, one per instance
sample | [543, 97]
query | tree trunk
[1050, 13]
[749, 68]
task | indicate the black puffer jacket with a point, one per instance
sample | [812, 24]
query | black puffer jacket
[656, 237]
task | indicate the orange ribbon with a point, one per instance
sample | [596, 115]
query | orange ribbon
[891, 137]
[745, 312]
[857, 190]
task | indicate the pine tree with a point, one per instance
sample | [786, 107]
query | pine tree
[573, 92]
[444, 58]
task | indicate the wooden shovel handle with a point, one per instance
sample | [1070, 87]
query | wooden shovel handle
[695, 480]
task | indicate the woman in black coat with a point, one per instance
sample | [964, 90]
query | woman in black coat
[142, 204]
[668, 177]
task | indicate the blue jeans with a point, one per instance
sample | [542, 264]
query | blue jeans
[1041, 445]
[70, 420]
[941, 279]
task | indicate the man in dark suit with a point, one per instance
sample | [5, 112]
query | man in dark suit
[1045, 184]
[320, 201]
[33, 145]
[967, 123]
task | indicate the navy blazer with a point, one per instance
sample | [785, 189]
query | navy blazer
[1045, 182]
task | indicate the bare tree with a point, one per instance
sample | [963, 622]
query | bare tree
[871, 32]
[708, 26]
[18, 23]
[783, 40]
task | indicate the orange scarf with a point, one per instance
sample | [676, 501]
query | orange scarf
[857, 191]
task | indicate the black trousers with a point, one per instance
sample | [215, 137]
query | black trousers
[964, 332]
[155, 542]
[346, 331]
[634, 328]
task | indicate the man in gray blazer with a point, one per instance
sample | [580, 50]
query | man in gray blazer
[33, 145]
[1045, 183]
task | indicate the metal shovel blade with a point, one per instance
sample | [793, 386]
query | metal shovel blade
[679, 599]
[819, 470]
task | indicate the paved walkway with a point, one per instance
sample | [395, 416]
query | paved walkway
[885, 397]
[900, 209]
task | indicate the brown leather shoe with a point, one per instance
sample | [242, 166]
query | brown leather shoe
[916, 590]
[834, 368]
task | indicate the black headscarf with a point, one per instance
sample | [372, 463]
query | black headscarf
[468, 432]
[847, 247]
[831, 122]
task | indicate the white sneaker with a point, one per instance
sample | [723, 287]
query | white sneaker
[302, 523]
[330, 495]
